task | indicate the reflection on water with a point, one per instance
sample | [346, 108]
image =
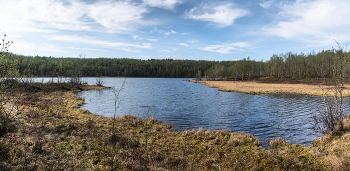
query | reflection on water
[189, 106]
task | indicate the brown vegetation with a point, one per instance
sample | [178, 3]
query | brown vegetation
[49, 132]
[266, 87]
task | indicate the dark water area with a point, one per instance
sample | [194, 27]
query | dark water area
[189, 105]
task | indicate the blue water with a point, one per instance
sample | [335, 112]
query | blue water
[189, 105]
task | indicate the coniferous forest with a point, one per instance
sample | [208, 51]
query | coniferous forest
[325, 64]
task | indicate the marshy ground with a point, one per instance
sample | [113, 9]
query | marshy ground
[48, 131]
[276, 86]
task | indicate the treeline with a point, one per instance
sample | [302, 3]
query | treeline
[94, 67]
[325, 64]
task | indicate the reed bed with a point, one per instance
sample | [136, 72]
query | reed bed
[255, 87]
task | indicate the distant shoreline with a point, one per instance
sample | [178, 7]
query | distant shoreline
[255, 87]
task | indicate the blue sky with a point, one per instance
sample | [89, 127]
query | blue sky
[176, 29]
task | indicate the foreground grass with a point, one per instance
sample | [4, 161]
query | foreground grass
[49, 132]
[261, 87]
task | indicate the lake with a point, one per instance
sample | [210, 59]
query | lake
[188, 105]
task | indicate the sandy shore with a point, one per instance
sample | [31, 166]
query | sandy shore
[254, 87]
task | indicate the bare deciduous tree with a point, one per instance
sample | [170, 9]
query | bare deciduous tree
[331, 118]
[7, 73]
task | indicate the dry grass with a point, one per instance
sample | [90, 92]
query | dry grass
[49, 133]
[256, 87]
[335, 147]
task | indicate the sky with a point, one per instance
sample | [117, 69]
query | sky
[174, 29]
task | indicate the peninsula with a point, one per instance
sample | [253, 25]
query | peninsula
[262, 87]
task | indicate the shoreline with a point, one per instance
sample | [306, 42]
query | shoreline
[255, 87]
[50, 133]
[87, 87]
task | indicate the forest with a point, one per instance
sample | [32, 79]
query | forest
[324, 64]
[108, 67]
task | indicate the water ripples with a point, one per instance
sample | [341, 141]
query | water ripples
[190, 106]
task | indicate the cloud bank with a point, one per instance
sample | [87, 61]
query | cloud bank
[317, 23]
[49, 15]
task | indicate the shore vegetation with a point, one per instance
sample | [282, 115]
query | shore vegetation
[49, 131]
[276, 86]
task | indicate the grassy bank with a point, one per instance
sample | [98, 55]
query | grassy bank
[49, 132]
[263, 87]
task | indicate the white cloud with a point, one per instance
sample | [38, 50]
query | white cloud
[166, 33]
[166, 4]
[219, 48]
[169, 33]
[130, 50]
[193, 41]
[266, 4]
[85, 49]
[226, 48]
[137, 37]
[152, 40]
[316, 22]
[184, 44]
[240, 44]
[117, 15]
[218, 15]
[93, 41]
[40, 15]
[48, 15]
[155, 30]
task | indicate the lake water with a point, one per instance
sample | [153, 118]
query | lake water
[189, 105]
